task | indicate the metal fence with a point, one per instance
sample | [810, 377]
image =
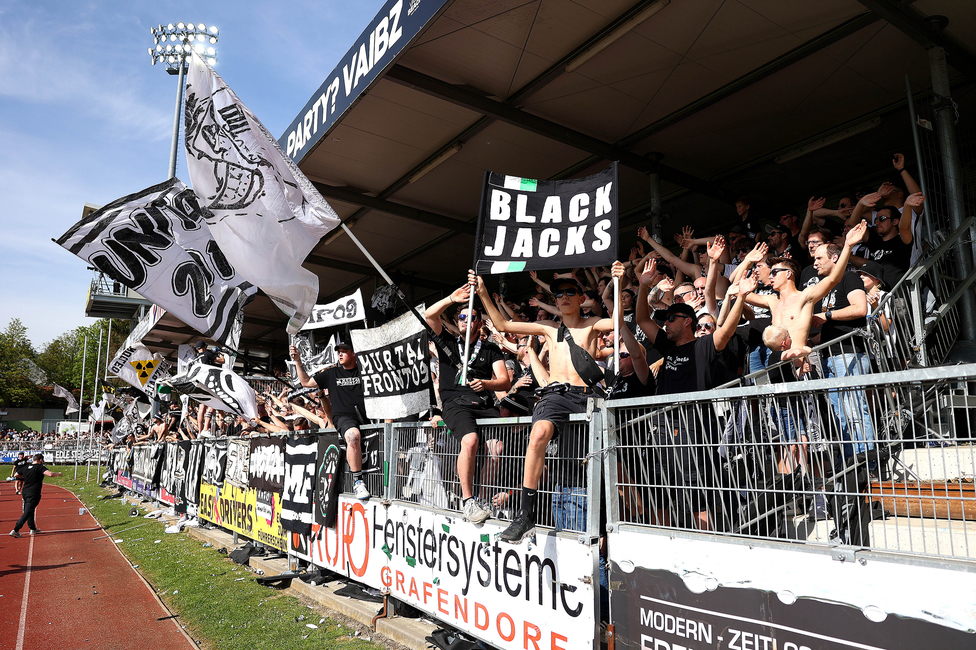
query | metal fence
[882, 461]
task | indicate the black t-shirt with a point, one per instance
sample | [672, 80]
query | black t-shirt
[208, 357]
[808, 278]
[21, 463]
[688, 367]
[894, 256]
[479, 368]
[631, 386]
[836, 299]
[33, 478]
[345, 390]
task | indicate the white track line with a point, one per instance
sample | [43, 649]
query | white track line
[23, 605]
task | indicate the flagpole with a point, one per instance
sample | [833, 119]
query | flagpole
[81, 404]
[423, 321]
[98, 367]
[467, 341]
[616, 327]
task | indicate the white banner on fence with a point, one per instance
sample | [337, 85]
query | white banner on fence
[342, 311]
[393, 361]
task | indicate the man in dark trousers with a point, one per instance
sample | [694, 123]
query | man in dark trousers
[345, 387]
[33, 476]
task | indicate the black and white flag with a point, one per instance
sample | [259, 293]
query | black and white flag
[267, 464]
[194, 472]
[342, 311]
[263, 212]
[64, 394]
[297, 495]
[214, 462]
[157, 243]
[219, 388]
[313, 357]
[134, 363]
[394, 363]
[147, 462]
[328, 479]
[527, 224]
[237, 462]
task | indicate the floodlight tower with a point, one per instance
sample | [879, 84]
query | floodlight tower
[173, 46]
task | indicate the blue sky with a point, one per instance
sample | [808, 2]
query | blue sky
[86, 118]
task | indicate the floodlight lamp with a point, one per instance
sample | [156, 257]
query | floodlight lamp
[172, 37]
[202, 27]
[170, 27]
[172, 59]
[213, 30]
[211, 51]
[213, 39]
[180, 26]
[211, 61]
[198, 48]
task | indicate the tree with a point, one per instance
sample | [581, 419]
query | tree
[62, 358]
[16, 357]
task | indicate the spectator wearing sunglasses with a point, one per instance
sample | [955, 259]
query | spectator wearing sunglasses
[891, 243]
[465, 403]
[566, 392]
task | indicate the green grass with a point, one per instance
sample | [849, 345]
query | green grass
[203, 587]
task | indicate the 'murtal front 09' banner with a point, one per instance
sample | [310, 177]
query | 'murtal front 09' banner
[527, 224]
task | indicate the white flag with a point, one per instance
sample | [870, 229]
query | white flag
[72, 402]
[134, 363]
[343, 310]
[156, 242]
[266, 217]
[219, 388]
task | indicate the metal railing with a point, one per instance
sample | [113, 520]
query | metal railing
[877, 461]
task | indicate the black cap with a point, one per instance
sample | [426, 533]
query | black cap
[346, 345]
[873, 269]
[565, 282]
[201, 345]
[770, 229]
[740, 229]
[680, 308]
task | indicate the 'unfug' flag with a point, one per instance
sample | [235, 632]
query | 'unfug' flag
[526, 224]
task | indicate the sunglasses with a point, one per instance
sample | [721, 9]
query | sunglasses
[464, 317]
[624, 355]
[883, 219]
[705, 327]
[682, 295]
[565, 292]
[671, 317]
[773, 272]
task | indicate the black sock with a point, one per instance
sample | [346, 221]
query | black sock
[528, 501]
[464, 502]
[357, 476]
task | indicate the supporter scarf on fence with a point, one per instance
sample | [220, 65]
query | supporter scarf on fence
[157, 243]
[194, 472]
[214, 461]
[267, 464]
[526, 224]
[392, 361]
[297, 494]
[328, 478]
[237, 462]
[265, 215]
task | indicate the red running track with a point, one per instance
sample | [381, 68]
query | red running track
[62, 589]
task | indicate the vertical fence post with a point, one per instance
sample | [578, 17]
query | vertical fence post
[918, 322]
[610, 440]
[389, 460]
[594, 476]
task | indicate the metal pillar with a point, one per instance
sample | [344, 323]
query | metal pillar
[656, 213]
[920, 166]
[945, 118]
[174, 150]
[81, 404]
[98, 367]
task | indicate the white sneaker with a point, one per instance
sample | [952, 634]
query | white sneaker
[36, 531]
[360, 490]
[475, 512]
[14, 533]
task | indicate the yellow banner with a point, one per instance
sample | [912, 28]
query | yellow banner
[243, 511]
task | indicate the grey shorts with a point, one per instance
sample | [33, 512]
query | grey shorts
[558, 401]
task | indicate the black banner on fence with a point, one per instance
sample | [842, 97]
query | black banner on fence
[146, 463]
[328, 479]
[525, 224]
[296, 497]
[267, 464]
[194, 472]
[214, 462]
[371, 443]
[237, 466]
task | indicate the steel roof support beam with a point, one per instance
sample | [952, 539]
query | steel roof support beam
[913, 24]
[367, 271]
[814, 45]
[546, 128]
[354, 197]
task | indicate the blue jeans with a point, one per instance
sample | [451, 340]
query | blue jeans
[851, 406]
[569, 512]
[758, 357]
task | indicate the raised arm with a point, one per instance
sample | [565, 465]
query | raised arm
[715, 252]
[502, 323]
[898, 162]
[685, 267]
[813, 205]
[542, 285]
[303, 377]
[914, 202]
[642, 315]
[461, 294]
[817, 292]
[726, 330]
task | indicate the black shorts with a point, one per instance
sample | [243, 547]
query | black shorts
[558, 402]
[345, 422]
[460, 414]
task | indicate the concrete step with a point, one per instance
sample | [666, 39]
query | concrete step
[932, 537]
[937, 463]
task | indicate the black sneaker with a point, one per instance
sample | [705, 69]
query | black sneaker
[520, 528]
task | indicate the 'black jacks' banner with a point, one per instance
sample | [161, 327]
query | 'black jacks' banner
[267, 464]
[214, 462]
[526, 224]
[328, 479]
[393, 363]
[296, 497]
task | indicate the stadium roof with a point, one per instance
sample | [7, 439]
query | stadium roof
[709, 93]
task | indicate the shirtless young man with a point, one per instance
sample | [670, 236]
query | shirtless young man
[566, 392]
[794, 309]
